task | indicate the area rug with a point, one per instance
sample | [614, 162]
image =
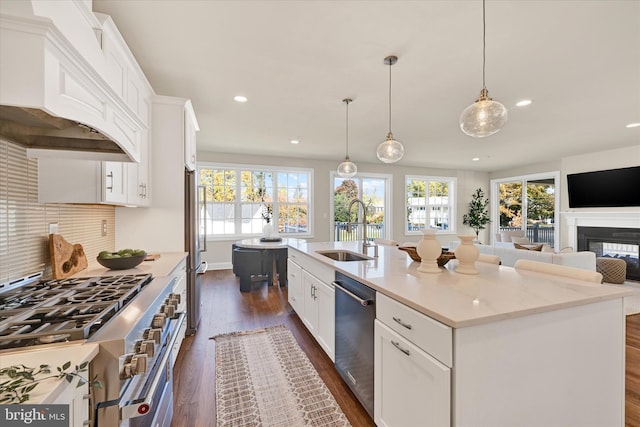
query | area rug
[263, 378]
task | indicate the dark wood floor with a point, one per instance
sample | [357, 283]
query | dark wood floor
[226, 309]
[632, 406]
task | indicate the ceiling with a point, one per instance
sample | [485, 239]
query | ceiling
[295, 61]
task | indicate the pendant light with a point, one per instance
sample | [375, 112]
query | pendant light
[485, 116]
[347, 169]
[390, 150]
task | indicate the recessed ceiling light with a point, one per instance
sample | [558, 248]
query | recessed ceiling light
[475, 159]
[633, 125]
[523, 103]
[295, 141]
[240, 98]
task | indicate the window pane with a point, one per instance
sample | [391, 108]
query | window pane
[429, 203]
[240, 200]
[372, 193]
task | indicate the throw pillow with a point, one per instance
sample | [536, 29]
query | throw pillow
[520, 240]
[506, 236]
[532, 248]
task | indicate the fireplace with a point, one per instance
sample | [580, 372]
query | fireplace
[622, 243]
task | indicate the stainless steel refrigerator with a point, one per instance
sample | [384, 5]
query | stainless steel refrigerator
[195, 243]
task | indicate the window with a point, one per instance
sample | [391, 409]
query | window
[430, 203]
[527, 203]
[241, 199]
[373, 190]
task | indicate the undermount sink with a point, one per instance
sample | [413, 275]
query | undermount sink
[342, 255]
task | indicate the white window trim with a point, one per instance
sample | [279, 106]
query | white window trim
[388, 214]
[495, 201]
[452, 204]
[266, 168]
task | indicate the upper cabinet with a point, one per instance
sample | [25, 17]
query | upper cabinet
[190, 129]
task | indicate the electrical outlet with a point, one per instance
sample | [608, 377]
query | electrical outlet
[53, 228]
[104, 228]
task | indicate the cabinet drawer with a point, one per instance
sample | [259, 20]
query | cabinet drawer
[430, 335]
[322, 271]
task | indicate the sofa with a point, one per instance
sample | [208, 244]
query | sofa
[509, 255]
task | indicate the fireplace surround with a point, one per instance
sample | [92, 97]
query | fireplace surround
[615, 242]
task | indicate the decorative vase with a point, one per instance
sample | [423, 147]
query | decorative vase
[268, 231]
[429, 250]
[466, 254]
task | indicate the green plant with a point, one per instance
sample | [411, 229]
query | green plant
[23, 379]
[478, 214]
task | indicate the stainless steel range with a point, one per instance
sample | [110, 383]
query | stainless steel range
[134, 318]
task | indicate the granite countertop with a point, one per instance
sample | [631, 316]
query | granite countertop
[54, 356]
[162, 266]
[460, 300]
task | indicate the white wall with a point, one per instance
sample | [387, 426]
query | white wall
[601, 160]
[219, 252]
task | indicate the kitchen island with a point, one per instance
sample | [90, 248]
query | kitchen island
[501, 348]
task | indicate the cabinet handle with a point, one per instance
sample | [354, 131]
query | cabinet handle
[397, 345]
[398, 320]
[110, 187]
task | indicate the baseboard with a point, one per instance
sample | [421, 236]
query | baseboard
[220, 266]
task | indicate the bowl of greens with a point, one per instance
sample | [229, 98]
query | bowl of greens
[121, 260]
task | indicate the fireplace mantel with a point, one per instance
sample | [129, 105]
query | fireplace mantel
[597, 219]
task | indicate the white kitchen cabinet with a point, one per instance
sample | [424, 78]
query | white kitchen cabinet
[294, 286]
[81, 181]
[412, 368]
[190, 129]
[139, 178]
[313, 297]
[114, 183]
[319, 311]
[411, 387]
[78, 399]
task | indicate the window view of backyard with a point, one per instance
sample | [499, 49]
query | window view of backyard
[372, 193]
[535, 215]
[241, 201]
[429, 204]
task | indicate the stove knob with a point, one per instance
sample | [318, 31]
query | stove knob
[158, 320]
[135, 364]
[146, 347]
[138, 364]
[153, 334]
[175, 297]
[169, 310]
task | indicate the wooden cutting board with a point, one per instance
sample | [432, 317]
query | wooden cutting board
[66, 258]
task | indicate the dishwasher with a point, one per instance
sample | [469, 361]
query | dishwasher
[355, 316]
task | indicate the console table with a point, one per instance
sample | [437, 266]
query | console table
[276, 251]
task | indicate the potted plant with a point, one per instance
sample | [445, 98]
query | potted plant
[477, 217]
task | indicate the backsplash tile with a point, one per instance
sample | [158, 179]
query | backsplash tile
[24, 223]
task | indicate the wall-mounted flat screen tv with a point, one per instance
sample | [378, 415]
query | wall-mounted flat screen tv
[606, 188]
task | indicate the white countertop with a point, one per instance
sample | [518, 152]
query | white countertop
[162, 266]
[460, 300]
[55, 356]
[257, 244]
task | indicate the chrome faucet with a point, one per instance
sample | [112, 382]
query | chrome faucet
[365, 243]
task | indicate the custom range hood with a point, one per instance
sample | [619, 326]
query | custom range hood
[56, 96]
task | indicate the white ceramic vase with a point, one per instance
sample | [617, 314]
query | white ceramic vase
[466, 254]
[268, 231]
[429, 250]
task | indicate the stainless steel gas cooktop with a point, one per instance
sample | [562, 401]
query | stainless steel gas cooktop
[63, 310]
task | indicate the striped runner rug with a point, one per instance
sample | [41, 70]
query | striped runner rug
[263, 378]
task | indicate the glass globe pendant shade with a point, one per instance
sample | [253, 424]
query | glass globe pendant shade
[484, 117]
[390, 150]
[347, 169]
